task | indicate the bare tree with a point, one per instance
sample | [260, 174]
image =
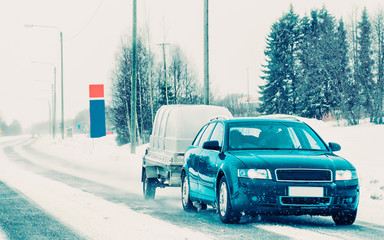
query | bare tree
[185, 87]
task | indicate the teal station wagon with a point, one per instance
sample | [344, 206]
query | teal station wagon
[267, 166]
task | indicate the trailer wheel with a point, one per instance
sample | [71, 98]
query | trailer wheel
[149, 187]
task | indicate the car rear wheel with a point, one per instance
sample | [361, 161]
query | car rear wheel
[344, 217]
[185, 198]
[226, 213]
[149, 187]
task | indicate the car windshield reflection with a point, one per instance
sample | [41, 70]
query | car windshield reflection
[261, 136]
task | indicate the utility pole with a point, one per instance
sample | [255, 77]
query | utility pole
[206, 55]
[54, 104]
[133, 84]
[165, 70]
[62, 86]
[150, 65]
[53, 97]
[62, 81]
[248, 97]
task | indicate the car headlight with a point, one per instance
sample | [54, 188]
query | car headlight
[254, 173]
[345, 175]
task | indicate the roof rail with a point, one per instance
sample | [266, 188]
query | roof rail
[221, 117]
[280, 117]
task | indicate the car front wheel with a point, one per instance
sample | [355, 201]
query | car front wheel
[226, 213]
[344, 217]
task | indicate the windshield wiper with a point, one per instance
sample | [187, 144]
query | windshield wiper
[271, 149]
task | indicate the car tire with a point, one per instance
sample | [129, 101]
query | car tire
[149, 187]
[203, 206]
[344, 217]
[185, 196]
[226, 213]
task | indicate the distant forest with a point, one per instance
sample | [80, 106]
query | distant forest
[11, 129]
[319, 67]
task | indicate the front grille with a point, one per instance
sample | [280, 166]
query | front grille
[307, 201]
[304, 175]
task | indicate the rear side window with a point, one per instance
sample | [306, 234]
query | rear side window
[197, 139]
[206, 134]
[218, 133]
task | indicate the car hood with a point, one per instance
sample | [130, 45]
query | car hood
[274, 159]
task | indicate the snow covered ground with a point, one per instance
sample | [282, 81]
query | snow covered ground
[362, 145]
[84, 212]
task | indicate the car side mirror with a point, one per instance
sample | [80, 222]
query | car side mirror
[212, 145]
[334, 147]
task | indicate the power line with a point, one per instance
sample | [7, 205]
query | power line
[87, 24]
[165, 70]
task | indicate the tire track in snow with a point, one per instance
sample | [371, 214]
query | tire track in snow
[206, 221]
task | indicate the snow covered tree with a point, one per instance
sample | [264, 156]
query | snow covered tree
[352, 110]
[365, 64]
[279, 94]
[121, 92]
[342, 74]
[348, 86]
[163, 95]
[185, 85]
[320, 83]
[379, 90]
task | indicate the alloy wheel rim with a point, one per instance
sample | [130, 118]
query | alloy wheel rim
[185, 191]
[223, 201]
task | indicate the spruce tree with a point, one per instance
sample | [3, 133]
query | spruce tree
[365, 64]
[379, 90]
[312, 88]
[319, 83]
[279, 94]
[348, 86]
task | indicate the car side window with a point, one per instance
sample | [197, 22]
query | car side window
[217, 134]
[206, 134]
[197, 139]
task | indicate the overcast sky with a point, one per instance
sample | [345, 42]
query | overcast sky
[93, 29]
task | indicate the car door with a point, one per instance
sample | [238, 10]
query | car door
[192, 159]
[208, 167]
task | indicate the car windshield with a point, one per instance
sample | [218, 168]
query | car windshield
[273, 136]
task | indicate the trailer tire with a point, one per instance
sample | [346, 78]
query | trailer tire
[149, 187]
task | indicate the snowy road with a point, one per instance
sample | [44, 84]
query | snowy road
[115, 193]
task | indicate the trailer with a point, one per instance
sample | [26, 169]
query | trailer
[174, 129]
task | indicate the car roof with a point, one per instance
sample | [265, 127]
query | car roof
[265, 118]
